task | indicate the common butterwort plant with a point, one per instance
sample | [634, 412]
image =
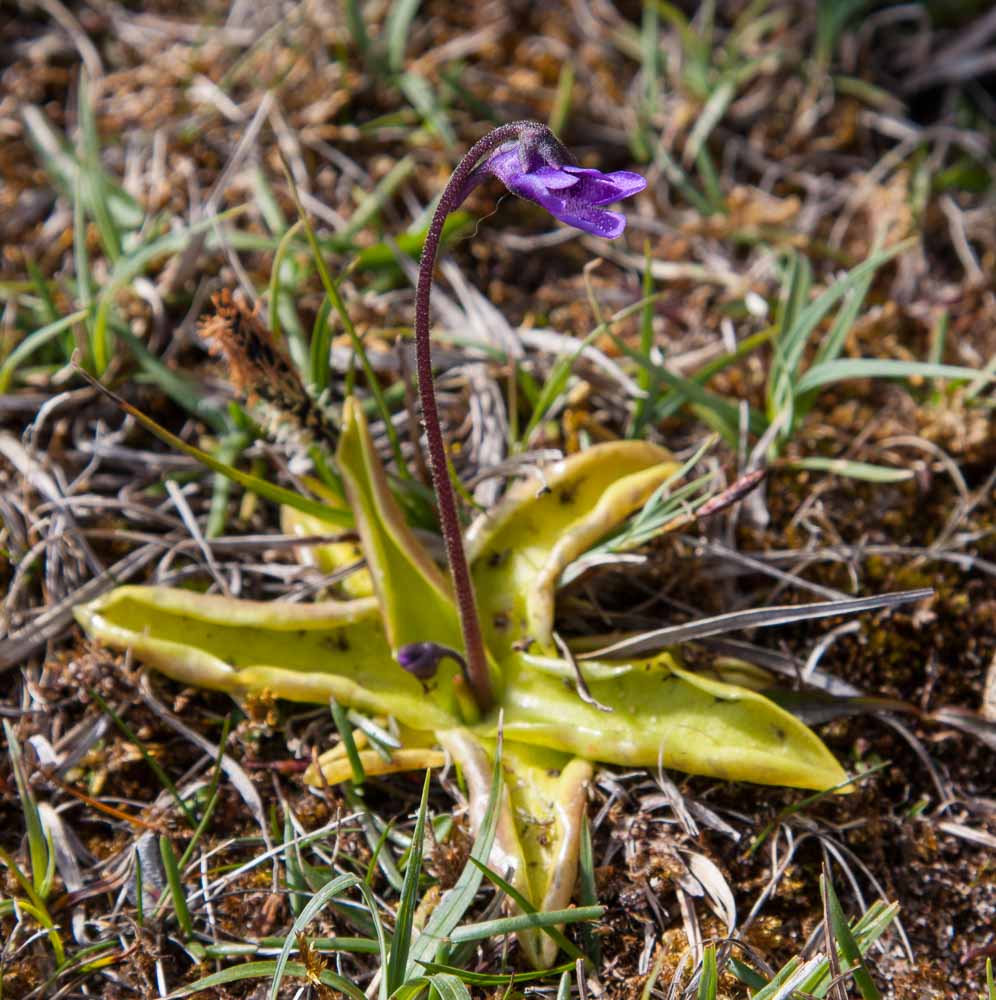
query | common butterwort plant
[534, 164]
[440, 664]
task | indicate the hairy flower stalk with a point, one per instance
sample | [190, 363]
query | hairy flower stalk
[532, 163]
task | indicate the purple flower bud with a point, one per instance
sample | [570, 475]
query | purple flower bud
[421, 659]
[535, 171]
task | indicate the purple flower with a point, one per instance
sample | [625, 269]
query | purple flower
[569, 193]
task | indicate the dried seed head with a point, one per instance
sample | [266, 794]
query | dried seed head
[263, 373]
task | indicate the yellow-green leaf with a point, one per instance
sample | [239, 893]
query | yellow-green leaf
[303, 652]
[520, 549]
[539, 826]
[663, 713]
[414, 596]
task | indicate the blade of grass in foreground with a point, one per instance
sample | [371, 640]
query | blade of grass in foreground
[524, 921]
[865, 471]
[264, 969]
[454, 903]
[507, 979]
[404, 923]
[175, 882]
[36, 907]
[315, 905]
[709, 977]
[848, 947]
[530, 917]
[40, 850]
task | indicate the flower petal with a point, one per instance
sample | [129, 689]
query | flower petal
[608, 225]
[553, 179]
[603, 189]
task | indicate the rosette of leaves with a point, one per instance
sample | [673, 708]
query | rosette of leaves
[641, 712]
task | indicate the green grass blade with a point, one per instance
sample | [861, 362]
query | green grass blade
[833, 343]
[553, 387]
[358, 31]
[561, 109]
[747, 975]
[373, 383]
[183, 390]
[33, 342]
[844, 369]
[711, 187]
[49, 310]
[791, 971]
[798, 285]
[278, 273]
[397, 27]
[320, 349]
[266, 201]
[496, 979]
[804, 803]
[382, 256]
[315, 905]
[679, 179]
[810, 316]
[228, 450]
[61, 164]
[848, 947]
[373, 204]
[447, 987]
[404, 923]
[790, 340]
[36, 907]
[708, 118]
[38, 843]
[674, 399]
[93, 175]
[212, 795]
[130, 266]
[525, 921]
[81, 264]
[260, 970]
[799, 321]
[455, 903]
[588, 893]
[529, 911]
[175, 883]
[424, 100]
[864, 471]
[709, 977]
[345, 731]
[564, 986]
[413, 989]
[726, 414]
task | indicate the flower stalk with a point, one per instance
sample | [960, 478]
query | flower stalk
[529, 159]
